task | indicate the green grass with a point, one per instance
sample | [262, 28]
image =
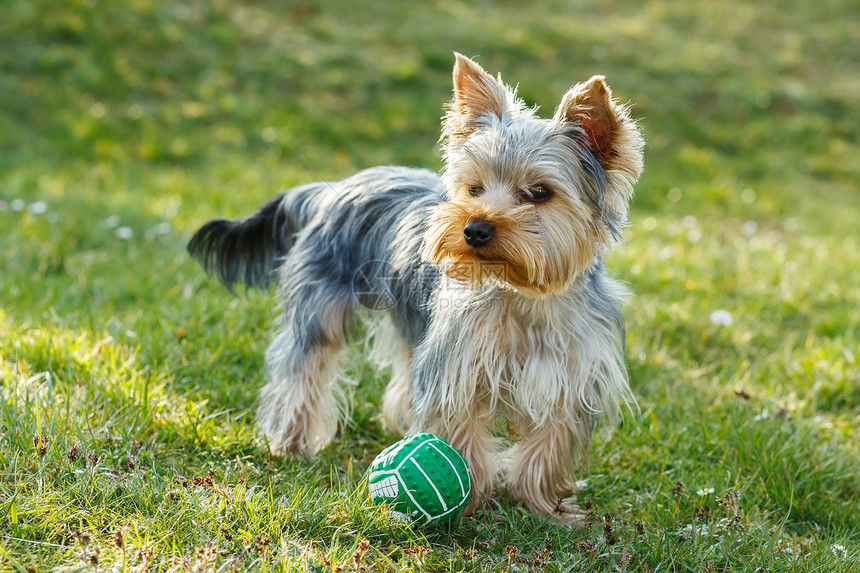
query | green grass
[129, 378]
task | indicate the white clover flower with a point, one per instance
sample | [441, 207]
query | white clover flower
[37, 208]
[764, 415]
[158, 230]
[722, 318]
[124, 233]
[839, 550]
[162, 228]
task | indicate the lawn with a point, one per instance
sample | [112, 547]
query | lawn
[128, 378]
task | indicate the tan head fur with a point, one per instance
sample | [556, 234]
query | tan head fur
[554, 192]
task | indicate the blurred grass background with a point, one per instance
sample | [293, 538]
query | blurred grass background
[126, 125]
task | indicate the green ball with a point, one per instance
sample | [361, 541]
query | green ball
[423, 479]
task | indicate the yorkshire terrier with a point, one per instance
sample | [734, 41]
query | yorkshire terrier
[491, 275]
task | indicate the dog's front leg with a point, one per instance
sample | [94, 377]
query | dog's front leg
[468, 432]
[540, 467]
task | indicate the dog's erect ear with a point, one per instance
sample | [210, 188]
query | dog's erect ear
[590, 105]
[613, 139]
[475, 91]
[478, 98]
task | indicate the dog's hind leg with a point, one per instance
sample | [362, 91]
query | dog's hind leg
[298, 410]
[388, 350]
[397, 399]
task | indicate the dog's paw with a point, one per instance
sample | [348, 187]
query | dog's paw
[567, 513]
[294, 439]
[281, 448]
[477, 503]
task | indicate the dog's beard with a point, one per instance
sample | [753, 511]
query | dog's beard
[533, 256]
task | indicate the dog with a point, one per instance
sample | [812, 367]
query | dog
[489, 278]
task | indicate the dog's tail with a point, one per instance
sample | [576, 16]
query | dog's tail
[249, 250]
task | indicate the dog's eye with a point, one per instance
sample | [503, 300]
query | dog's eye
[475, 190]
[539, 194]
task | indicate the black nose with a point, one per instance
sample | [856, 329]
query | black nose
[478, 233]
